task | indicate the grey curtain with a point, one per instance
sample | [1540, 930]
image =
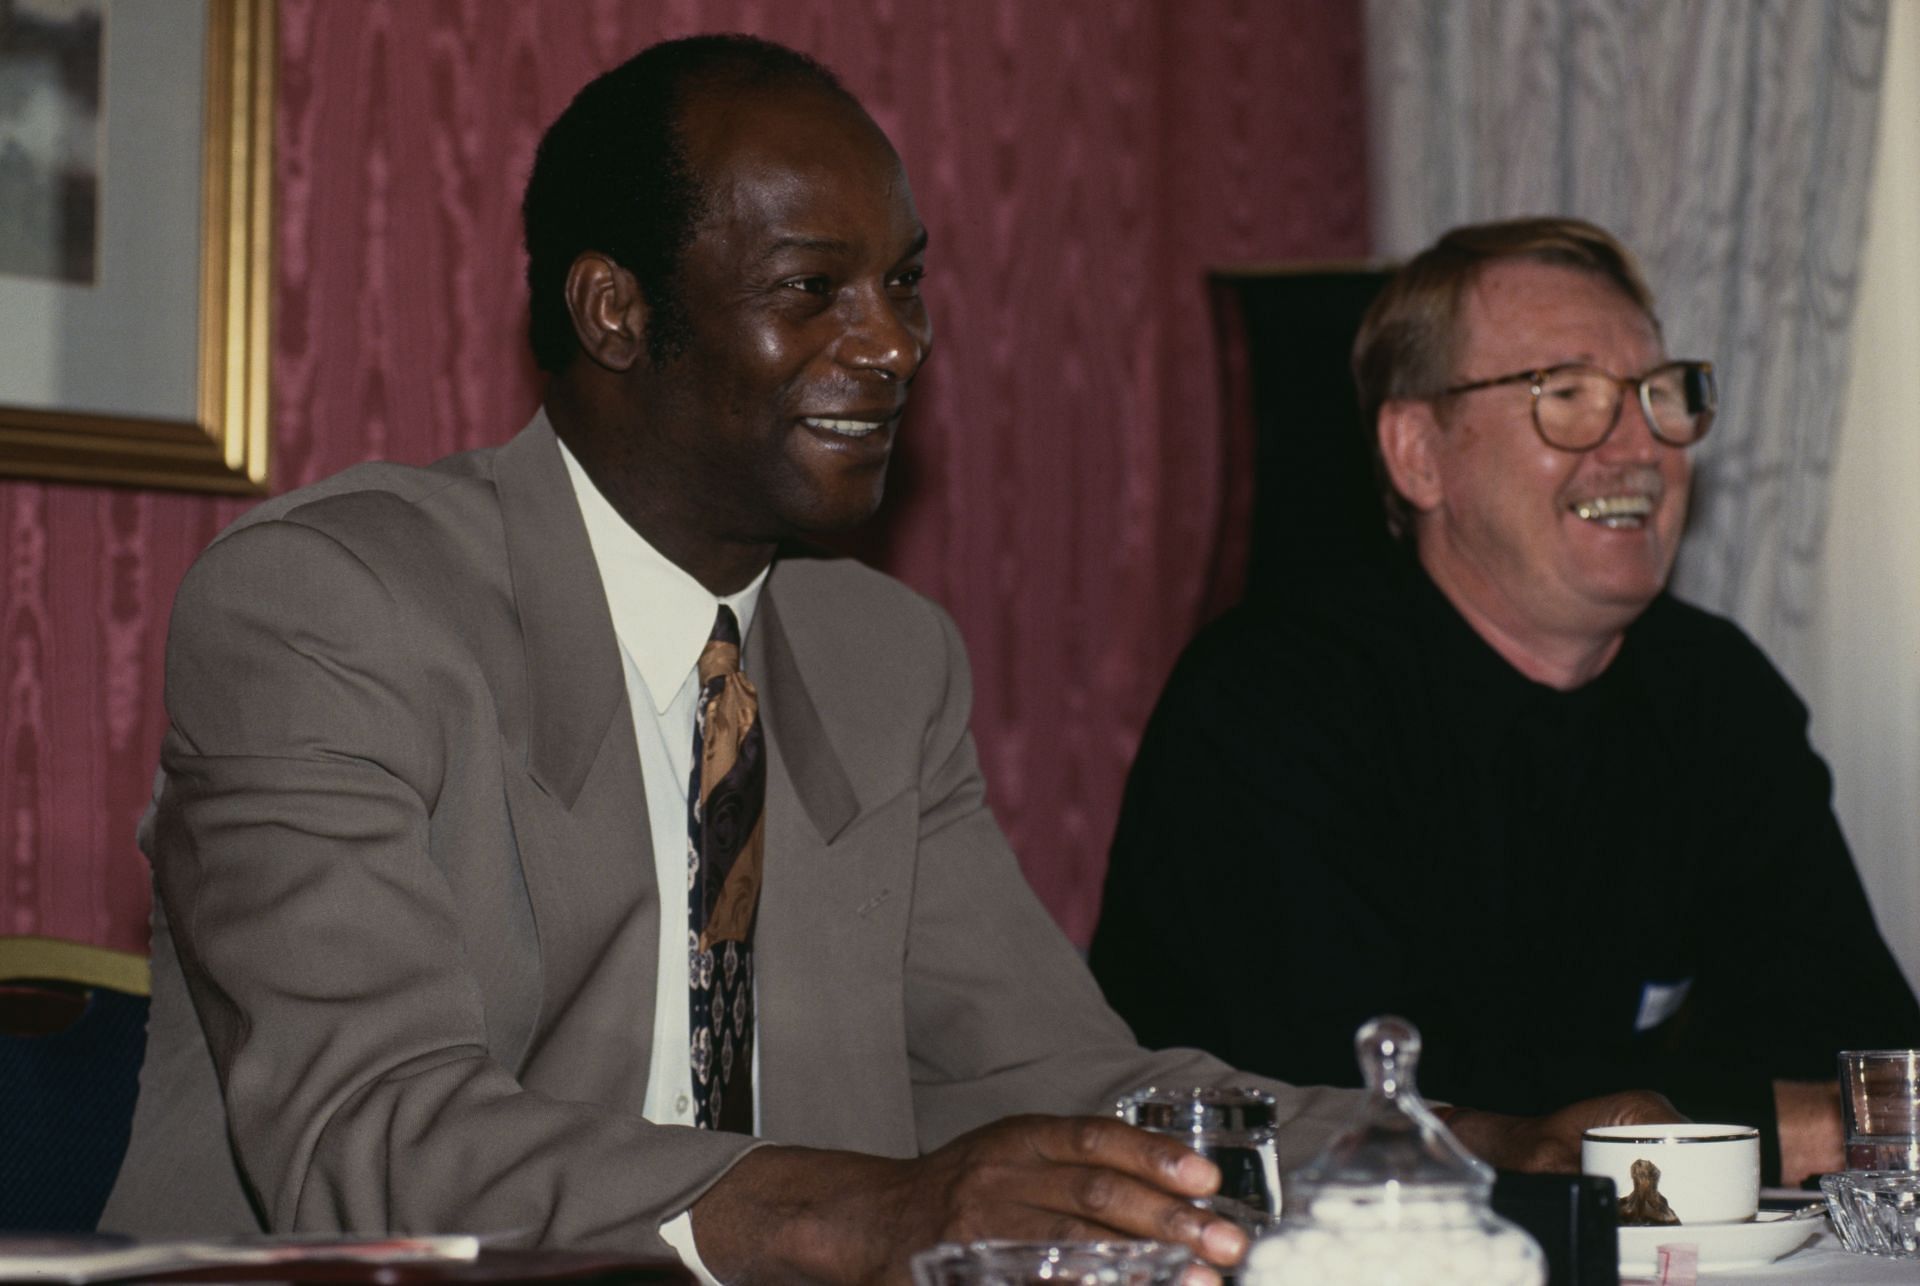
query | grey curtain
[1729, 142]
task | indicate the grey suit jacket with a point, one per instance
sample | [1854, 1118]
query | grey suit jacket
[405, 909]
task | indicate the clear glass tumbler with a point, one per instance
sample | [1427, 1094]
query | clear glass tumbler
[1880, 1097]
[1232, 1127]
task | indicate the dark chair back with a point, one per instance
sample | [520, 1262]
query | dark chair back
[1293, 419]
[73, 1031]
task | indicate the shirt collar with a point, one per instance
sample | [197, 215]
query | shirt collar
[663, 616]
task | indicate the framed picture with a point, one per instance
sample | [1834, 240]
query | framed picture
[136, 230]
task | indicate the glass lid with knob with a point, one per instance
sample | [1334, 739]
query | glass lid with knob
[1395, 1148]
[1394, 1199]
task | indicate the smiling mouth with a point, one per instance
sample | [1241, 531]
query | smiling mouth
[1619, 513]
[844, 428]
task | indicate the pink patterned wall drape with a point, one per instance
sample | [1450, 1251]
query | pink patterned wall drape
[1078, 163]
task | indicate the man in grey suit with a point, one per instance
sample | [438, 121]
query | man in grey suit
[421, 820]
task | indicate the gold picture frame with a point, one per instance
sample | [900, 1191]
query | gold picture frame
[225, 446]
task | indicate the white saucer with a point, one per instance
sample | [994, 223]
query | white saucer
[1721, 1245]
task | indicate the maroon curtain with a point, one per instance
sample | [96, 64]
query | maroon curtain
[1062, 486]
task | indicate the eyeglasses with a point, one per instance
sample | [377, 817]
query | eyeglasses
[1575, 407]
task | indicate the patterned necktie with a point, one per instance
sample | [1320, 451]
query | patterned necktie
[725, 835]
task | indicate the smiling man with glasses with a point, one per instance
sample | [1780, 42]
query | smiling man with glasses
[1545, 503]
[1507, 786]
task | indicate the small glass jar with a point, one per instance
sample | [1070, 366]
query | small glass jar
[1394, 1199]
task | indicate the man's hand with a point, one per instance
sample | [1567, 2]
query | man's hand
[1552, 1142]
[1811, 1141]
[794, 1214]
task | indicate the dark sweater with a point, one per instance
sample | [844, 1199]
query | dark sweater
[1354, 806]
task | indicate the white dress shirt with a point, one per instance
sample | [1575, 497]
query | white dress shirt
[663, 618]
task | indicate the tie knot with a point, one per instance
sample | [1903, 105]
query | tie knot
[726, 627]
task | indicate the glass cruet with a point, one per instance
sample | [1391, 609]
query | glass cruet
[1394, 1199]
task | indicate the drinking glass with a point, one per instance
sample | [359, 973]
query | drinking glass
[1031, 1263]
[1880, 1096]
[1231, 1127]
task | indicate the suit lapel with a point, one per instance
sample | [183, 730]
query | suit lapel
[573, 679]
[579, 814]
[831, 930]
[805, 758]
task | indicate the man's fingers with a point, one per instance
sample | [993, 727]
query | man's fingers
[1552, 1143]
[1075, 1179]
[1113, 1144]
[1119, 1205]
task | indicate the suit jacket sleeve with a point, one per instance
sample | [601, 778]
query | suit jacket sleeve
[312, 910]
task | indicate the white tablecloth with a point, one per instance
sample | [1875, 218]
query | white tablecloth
[1822, 1263]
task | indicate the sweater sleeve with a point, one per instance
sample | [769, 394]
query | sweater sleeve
[1794, 968]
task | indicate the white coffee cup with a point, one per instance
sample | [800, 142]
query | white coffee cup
[1705, 1173]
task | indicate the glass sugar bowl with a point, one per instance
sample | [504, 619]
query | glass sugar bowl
[1394, 1199]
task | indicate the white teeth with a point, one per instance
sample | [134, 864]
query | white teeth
[1615, 511]
[845, 428]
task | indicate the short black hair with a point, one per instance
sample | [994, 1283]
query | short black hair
[612, 175]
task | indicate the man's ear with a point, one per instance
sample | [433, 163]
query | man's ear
[609, 314]
[1410, 448]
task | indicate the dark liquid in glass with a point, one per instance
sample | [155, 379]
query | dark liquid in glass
[1243, 1175]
